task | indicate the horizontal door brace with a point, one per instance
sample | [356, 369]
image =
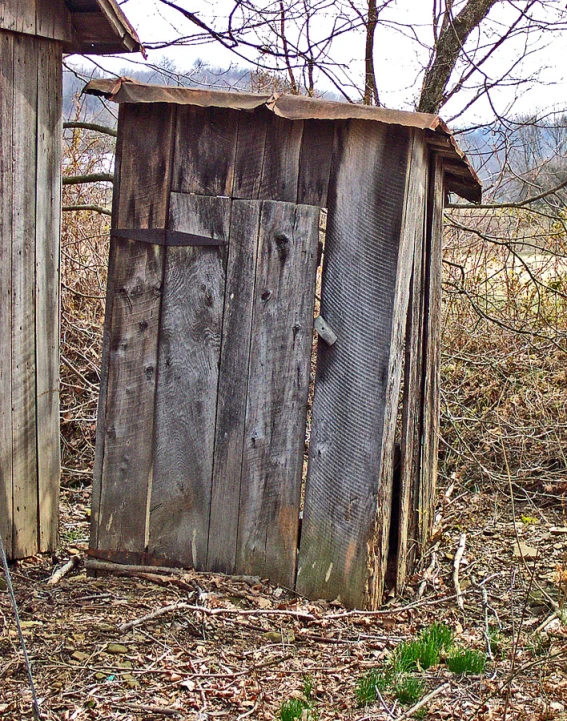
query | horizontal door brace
[170, 238]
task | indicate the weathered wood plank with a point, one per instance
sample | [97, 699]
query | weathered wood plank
[250, 147]
[48, 214]
[366, 201]
[107, 332]
[278, 385]
[186, 396]
[53, 20]
[131, 351]
[205, 146]
[233, 386]
[19, 16]
[25, 508]
[411, 421]
[412, 232]
[315, 162]
[431, 351]
[6, 193]
[280, 168]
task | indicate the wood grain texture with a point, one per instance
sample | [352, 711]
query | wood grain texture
[47, 233]
[6, 192]
[410, 473]
[19, 16]
[315, 162]
[280, 168]
[250, 147]
[186, 396]
[53, 20]
[205, 147]
[233, 386]
[278, 384]
[24, 469]
[106, 336]
[431, 351]
[130, 353]
[412, 232]
[366, 201]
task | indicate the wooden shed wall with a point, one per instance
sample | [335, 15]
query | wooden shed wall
[30, 132]
[223, 510]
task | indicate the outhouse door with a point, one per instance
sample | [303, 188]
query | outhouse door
[211, 321]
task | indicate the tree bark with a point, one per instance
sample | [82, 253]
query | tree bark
[452, 36]
[370, 91]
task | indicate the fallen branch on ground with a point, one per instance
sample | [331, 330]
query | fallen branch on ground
[63, 571]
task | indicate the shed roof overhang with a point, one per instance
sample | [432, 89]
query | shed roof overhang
[459, 173]
[91, 27]
[100, 27]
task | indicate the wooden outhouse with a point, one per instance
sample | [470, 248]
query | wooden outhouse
[210, 396]
[34, 34]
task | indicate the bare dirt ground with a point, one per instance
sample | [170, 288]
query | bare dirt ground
[252, 646]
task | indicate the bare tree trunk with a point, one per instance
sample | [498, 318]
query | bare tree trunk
[370, 89]
[452, 36]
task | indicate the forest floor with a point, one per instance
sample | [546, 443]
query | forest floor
[256, 648]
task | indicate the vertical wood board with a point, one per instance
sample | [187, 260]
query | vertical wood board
[112, 274]
[411, 419]
[25, 507]
[205, 147]
[411, 235]
[250, 147]
[315, 162]
[48, 214]
[6, 185]
[280, 168]
[278, 384]
[186, 395]
[233, 386]
[431, 350]
[366, 201]
[130, 355]
[53, 20]
[19, 16]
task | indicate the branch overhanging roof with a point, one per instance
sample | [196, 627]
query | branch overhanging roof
[461, 177]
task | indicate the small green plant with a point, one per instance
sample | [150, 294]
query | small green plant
[365, 691]
[308, 687]
[439, 634]
[292, 709]
[421, 713]
[408, 689]
[495, 640]
[466, 661]
[424, 651]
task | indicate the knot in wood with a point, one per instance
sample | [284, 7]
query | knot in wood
[282, 243]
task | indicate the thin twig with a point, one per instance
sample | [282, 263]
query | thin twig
[426, 699]
[456, 565]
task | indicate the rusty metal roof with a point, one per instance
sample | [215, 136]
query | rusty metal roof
[460, 175]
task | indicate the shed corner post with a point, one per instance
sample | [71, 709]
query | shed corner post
[431, 350]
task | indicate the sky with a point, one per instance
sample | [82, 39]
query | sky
[398, 59]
